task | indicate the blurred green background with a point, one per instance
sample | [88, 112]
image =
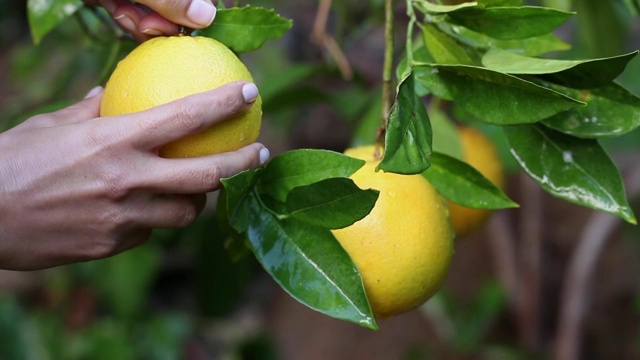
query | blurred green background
[187, 295]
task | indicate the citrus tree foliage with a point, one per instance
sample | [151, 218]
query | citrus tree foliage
[485, 57]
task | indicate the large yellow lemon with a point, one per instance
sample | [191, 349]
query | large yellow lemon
[403, 248]
[482, 154]
[164, 69]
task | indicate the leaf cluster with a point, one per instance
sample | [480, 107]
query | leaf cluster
[287, 210]
[492, 60]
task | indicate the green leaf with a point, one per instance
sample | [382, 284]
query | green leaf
[461, 183]
[508, 23]
[12, 321]
[443, 48]
[246, 29]
[124, 280]
[309, 263]
[408, 136]
[445, 135]
[611, 111]
[596, 16]
[236, 190]
[488, 3]
[498, 98]
[286, 81]
[532, 46]
[331, 203]
[45, 15]
[304, 167]
[576, 170]
[428, 7]
[425, 83]
[578, 74]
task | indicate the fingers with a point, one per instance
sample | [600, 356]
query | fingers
[172, 211]
[201, 174]
[89, 108]
[160, 17]
[141, 22]
[86, 109]
[194, 13]
[148, 18]
[160, 125]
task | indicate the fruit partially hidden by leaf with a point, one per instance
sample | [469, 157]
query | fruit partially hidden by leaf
[403, 247]
[481, 153]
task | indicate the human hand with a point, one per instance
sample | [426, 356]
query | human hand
[76, 187]
[158, 17]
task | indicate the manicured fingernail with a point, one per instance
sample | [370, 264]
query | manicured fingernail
[249, 92]
[93, 92]
[126, 23]
[264, 155]
[201, 12]
[152, 32]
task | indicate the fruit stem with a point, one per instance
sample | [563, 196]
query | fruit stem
[387, 95]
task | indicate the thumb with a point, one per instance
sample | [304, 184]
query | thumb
[88, 108]
[195, 13]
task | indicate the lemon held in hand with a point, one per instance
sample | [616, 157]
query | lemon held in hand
[403, 248]
[164, 69]
[482, 154]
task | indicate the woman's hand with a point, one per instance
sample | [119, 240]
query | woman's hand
[158, 17]
[76, 187]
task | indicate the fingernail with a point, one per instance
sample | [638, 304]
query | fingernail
[152, 32]
[249, 92]
[201, 12]
[93, 92]
[126, 23]
[264, 155]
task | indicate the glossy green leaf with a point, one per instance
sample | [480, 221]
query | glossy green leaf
[408, 136]
[461, 183]
[304, 167]
[488, 3]
[331, 203]
[236, 190]
[247, 28]
[443, 48]
[45, 15]
[425, 84]
[309, 263]
[429, 7]
[532, 46]
[578, 74]
[445, 135]
[576, 170]
[508, 23]
[499, 98]
[596, 16]
[611, 111]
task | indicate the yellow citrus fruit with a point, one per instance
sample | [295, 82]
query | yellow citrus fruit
[164, 69]
[403, 248]
[482, 154]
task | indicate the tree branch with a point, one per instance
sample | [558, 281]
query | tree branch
[579, 275]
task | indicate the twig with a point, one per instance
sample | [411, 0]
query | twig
[321, 37]
[530, 259]
[579, 276]
[502, 242]
[387, 72]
